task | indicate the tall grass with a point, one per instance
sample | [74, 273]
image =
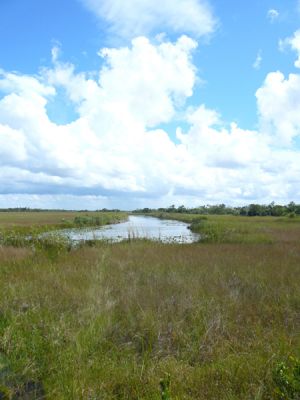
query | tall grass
[25, 228]
[237, 229]
[114, 321]
[56, 218]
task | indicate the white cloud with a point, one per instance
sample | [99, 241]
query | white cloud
[12, 146]
[145, 80]
[279, 107]
[55, 53]
[108, 148]
[116, 151]
[257, 63]
[294, 43]
[272, 15]
[132, 18]
[22, 84]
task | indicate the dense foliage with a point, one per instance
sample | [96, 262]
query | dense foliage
[250, 210]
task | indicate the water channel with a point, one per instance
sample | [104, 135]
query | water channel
[167, 231]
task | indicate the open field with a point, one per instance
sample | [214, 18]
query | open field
[111, 321]
[52, 218]
[16, 227]
[238, 229]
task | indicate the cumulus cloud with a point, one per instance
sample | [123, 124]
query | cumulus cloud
[279, 107]
[116, 148]
[12, 146]
[272, 15]
[111, 145]
[143, 80]
[294, 43]
[132, 18]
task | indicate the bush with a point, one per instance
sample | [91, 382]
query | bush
[88, 221]
[287, 379]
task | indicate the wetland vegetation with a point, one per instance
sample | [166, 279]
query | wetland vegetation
[218, 319]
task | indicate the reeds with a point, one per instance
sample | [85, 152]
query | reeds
[112, 321]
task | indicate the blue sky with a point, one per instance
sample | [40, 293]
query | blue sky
[193, 102]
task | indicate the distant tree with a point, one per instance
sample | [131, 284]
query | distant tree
[182, 209]
[254, 209]
[278, 211]
[291, 207]
[171, 208]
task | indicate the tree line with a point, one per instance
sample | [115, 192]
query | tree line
[251, 210]
[28, 209]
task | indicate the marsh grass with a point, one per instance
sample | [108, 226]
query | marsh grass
[111, 321]
[20, 229]
[52, 219]
[238, 229]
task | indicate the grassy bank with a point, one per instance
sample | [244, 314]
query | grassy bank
[50, 219]
[113, 320]
[238, 229]
[16, 227]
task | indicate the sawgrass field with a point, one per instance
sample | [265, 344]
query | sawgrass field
[214, 320]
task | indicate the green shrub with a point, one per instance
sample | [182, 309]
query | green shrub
[5, 393]
[165, 387]
[286, 377]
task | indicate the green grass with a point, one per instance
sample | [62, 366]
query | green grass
[114, 321]
[237, 229]
[16, 227]
[50, 218]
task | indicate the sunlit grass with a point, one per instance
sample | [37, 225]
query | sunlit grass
[25, 228]
[111, 321]
[50, 219]
[238, 229]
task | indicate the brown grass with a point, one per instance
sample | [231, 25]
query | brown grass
[13, 254]
[108, 322]
[9, 219]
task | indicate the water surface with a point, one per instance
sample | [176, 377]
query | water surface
[167, 231]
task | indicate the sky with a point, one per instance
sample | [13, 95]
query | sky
[143, 103]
